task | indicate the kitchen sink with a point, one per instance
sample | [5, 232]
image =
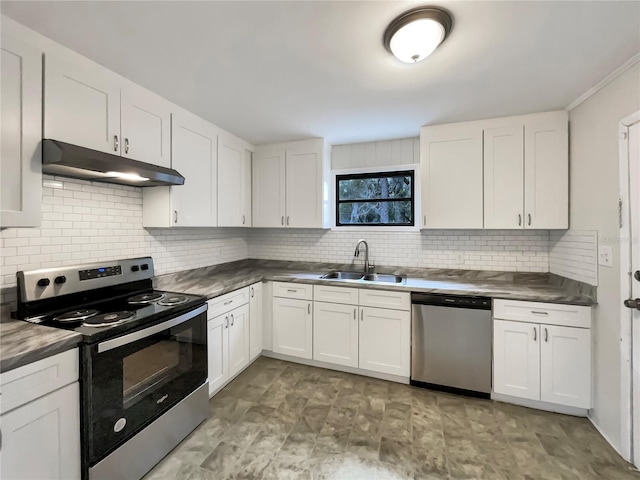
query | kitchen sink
[369, 277]
[383, 278]
[342, 276]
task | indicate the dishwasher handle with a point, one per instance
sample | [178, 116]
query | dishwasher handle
[454, 301]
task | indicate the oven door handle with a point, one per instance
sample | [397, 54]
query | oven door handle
[147, 332]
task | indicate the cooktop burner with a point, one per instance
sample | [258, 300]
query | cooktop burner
[172, 300]
[76, 316]
[108, 319]
[145, 298]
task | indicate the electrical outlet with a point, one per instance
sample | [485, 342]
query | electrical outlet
[605, 256]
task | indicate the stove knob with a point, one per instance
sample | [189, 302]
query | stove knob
[145, 266]
[43, 282]
[60, 280]
[135, 268]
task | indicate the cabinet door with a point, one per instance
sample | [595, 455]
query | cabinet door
[194, 154]
[292, 327]
[218, 351]
[238, 339]
[268, 188]
[504, 177]
[451, 171]
[51, 424]
[516, 359]
[145, 126]
[247, 220]
[303, 187]
[230, 182]
[255, 320]
[21, 126]
[385, 341]
[81, 105]
[546, 171]
[565, 366]
[335, 333]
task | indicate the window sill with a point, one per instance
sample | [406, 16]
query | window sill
[375, 229]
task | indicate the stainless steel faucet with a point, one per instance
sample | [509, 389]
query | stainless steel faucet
[367, 267]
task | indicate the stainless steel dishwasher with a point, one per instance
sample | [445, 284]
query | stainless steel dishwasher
[451, 338]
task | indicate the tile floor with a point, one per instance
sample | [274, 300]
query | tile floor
[280, 420]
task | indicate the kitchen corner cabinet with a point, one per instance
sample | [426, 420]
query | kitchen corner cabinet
[21, 133]
[194, 153]
[549, 361]
[289, 184]
[256, 300]
[234, 180]
[502, 173]
[90, 106]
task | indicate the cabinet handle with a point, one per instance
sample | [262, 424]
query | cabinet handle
[535, 334]
[251, 292]
[243, 219]
[309, 309]
[546, 335]
[519, 219]
[228, 302]
[287, 220]
[232, 320]
[536, 312]
[226, 321]
[126, 145]
[354, 313]
[529, 219]
[362, 315]
[424, 220]
[175, 216]
[116, 143]
[282, 220]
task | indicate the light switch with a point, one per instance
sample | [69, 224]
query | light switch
[605, 256]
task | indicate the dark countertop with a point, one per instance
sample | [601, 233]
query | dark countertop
[22, 342]
[541, 287]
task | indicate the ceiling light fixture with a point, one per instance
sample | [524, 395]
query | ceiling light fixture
[415, 34]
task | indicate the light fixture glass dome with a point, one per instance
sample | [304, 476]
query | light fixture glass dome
[415, 34]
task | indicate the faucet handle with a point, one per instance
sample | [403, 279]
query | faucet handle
[372, 267]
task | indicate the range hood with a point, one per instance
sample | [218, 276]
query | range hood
[64, 159]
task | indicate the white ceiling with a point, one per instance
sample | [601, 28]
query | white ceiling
[271, 71]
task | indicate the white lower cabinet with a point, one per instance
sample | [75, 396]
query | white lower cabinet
[516, 359]
[385, 341]
[52, 425]
[256, 299]
[293, 327]
[565, 360]
[335, 333]
[228, 346]
[547, 363]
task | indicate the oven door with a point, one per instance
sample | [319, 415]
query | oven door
[134, 378]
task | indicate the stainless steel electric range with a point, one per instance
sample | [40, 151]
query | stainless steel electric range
[143, 370]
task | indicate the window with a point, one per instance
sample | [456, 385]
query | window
[375, 199]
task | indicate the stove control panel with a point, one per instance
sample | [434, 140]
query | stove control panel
[100, 272]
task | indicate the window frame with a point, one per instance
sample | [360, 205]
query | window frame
[373, 172]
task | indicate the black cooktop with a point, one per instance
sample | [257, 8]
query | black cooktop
[102, 319]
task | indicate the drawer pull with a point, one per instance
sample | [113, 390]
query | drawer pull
[537, 312]
[292, 290]
[228, 302]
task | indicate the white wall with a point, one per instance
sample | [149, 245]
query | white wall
[594, 206]
[86, 222]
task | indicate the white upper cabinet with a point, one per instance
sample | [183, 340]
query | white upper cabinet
[500, 173]
[81, 105]
[451, 170]
[268, 187]
[546, 168]
[21, 124]
[503, 177]
[234, 179]
[145, 126]
[290, 185]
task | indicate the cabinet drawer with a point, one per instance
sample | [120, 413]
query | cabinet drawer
[384, 299]
[32, 381]
[545, 313]
[227, 302]
[324, 293]
[293, 290]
